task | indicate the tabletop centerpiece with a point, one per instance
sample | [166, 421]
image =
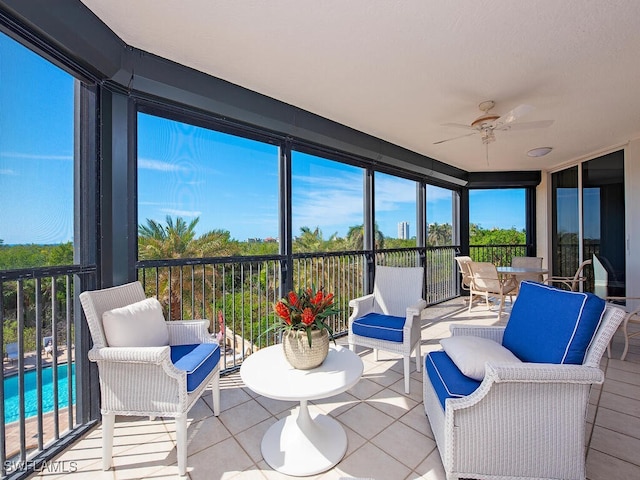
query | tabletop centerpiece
[305, 333]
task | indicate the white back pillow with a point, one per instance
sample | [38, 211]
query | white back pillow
[471, 353]
[140, 324]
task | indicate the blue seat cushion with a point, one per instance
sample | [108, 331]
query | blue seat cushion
[380, 326]
[446, 379]
[550, 325]
[197, 360]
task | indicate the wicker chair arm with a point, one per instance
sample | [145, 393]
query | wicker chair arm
[492, 333]
[417, 308]
[361, 306]
[189, 332]
[152, 355]
[542, 373]
[127, 375]
[518, 375]
[412, 320]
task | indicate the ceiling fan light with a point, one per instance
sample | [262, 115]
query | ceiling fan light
[539, 152]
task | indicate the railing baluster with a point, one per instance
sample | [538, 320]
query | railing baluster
[39, 307]
[54, 371]
[20, 326]
[3, 436]
[69, 351]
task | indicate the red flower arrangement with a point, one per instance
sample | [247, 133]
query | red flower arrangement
[306, 310]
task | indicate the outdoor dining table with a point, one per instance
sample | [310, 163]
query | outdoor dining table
[520, 271]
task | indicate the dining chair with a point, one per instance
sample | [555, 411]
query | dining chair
[574, 283]
[463, 269]
[631, 305]
[527, 262]
[486, 281]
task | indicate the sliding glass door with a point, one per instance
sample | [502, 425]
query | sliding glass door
[588, 216]
[603, 214]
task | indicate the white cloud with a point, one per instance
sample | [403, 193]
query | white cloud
[437, 193]
[326, 202]
[159, 165]
[181, 213]
[7, 171]
[33, 156]
[391, 192]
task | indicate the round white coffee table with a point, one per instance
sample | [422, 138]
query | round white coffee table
[300, 444]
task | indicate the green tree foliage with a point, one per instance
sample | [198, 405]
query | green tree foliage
[355, 237]
[392, 243]
[439, 234]
[13, 257]
[496, 236]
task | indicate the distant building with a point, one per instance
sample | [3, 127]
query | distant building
[403, 230]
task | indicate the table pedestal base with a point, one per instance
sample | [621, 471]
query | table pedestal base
[300, 445]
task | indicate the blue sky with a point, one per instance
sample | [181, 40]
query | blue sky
[228, 182]
[36, 148]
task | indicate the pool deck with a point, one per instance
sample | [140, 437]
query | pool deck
[10, 368]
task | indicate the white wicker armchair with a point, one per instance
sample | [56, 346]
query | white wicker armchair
[143, 381]
[525, 420]
[389, 318]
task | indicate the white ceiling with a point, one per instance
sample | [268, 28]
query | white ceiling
[400, 69]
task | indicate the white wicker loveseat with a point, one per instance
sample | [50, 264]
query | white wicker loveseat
[522, 420]
[142, 380]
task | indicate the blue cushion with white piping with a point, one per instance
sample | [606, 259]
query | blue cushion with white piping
[447, 380]
[550, 325]
[197, 360]
[380, 326]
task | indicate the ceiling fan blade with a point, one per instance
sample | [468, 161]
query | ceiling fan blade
[527, 125]
[514, 114]
[454, 138]
[458, 125]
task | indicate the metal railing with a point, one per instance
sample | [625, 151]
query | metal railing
[499, 255]
[237, 294]
[37, 395]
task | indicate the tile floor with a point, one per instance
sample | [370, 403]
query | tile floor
[388, 434]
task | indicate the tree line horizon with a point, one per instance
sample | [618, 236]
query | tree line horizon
[177, 238]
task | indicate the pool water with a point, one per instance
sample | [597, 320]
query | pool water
[12, 400]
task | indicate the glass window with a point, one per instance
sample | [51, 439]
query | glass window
[497, 216]
[395, 211]
[327, 204]
[36, 160]
[565, 232]
[603, 215]
[439, 216]
[217, 193]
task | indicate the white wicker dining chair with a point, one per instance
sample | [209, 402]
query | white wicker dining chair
[144, 381]
[390, 318]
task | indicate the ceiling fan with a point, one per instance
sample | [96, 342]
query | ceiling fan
[487, 123]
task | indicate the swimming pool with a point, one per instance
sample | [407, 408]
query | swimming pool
[12, 400]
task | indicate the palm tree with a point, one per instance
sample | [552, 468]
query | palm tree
[177, 239]
[439, 234]
[355, 237]
[309, 240]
